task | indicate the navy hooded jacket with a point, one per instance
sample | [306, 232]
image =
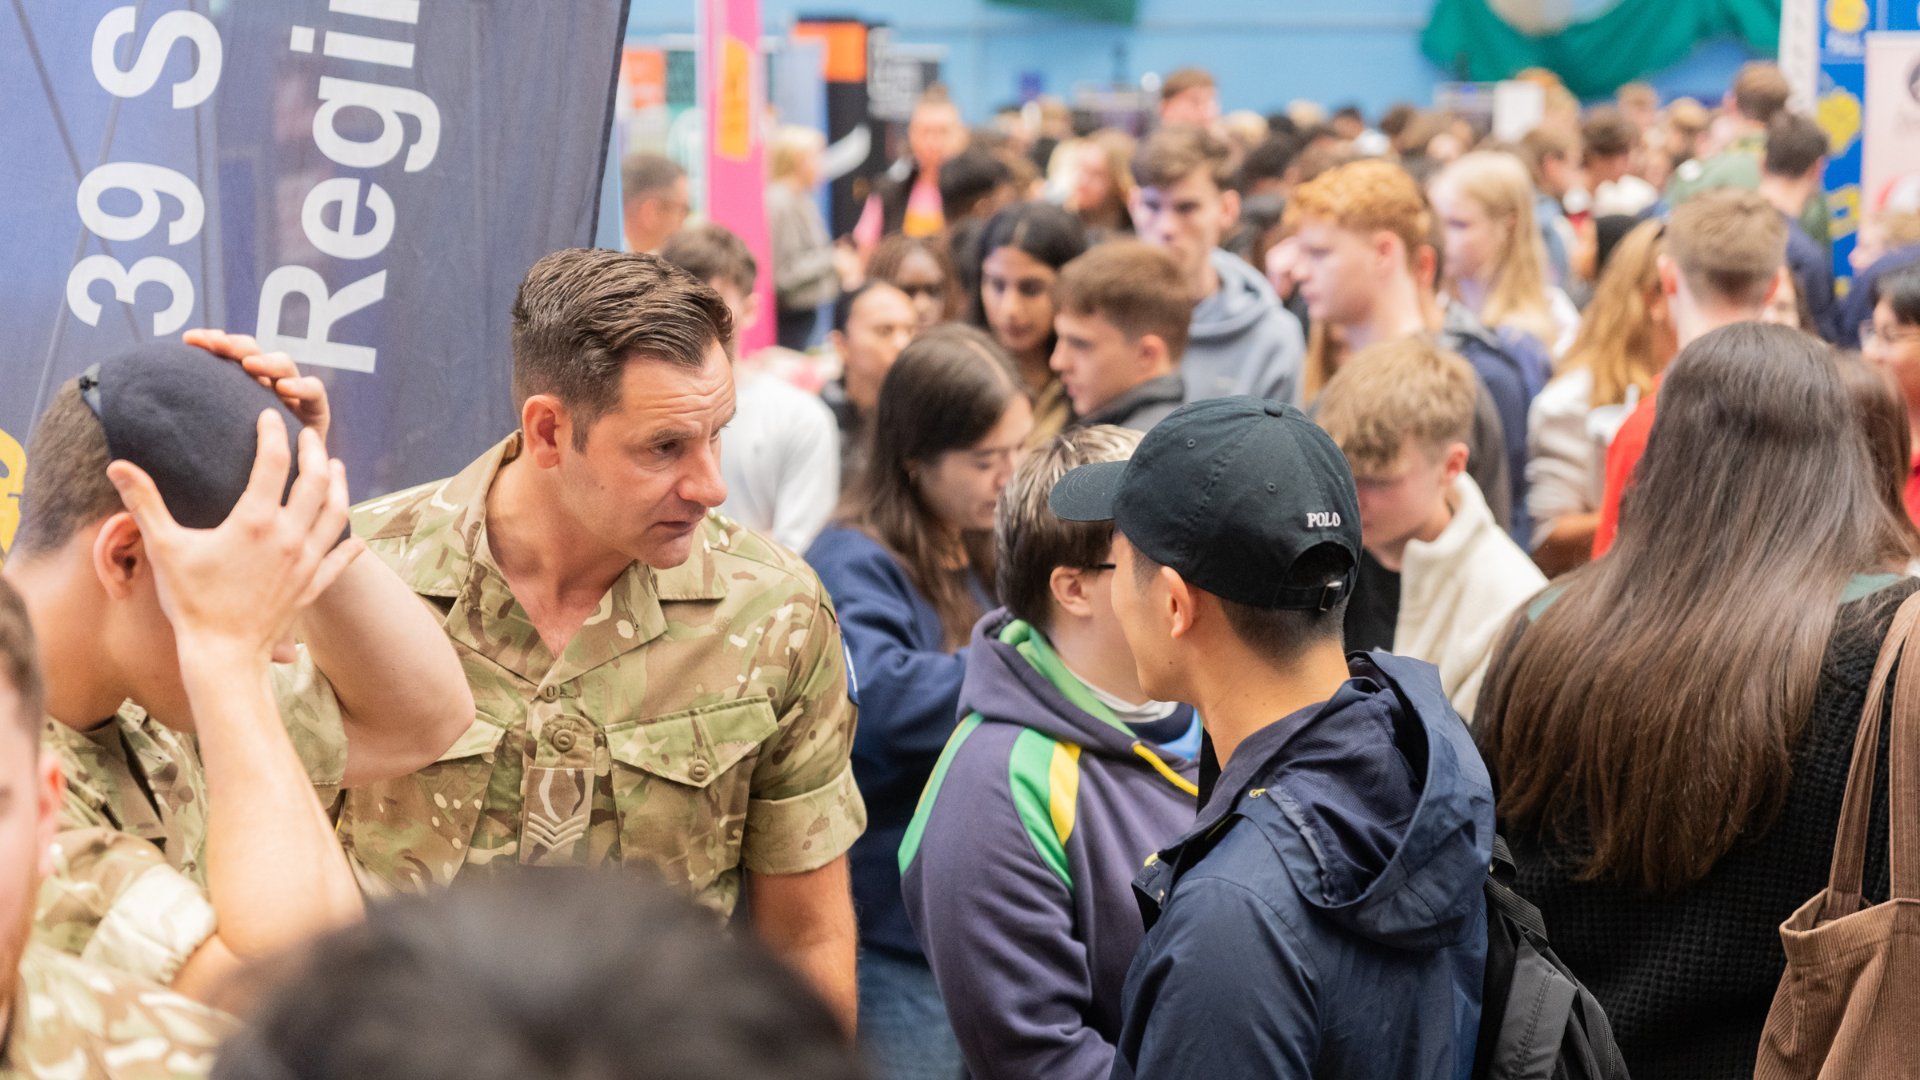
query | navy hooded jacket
[907, 687]
[1326, 917]
[1018, 867]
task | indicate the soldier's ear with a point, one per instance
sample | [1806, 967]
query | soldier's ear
[545, 427]
[117, 551]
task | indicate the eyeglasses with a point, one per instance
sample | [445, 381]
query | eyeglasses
[1871, 336]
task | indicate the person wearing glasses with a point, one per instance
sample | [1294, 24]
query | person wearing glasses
[922, 268]
[1891, 342]
[1063, 776]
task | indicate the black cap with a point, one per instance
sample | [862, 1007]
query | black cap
[1232, 493]
[189, 419]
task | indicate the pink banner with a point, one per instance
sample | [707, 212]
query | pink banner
[733, 88]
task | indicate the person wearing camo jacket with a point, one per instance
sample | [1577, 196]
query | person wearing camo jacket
[221, 851]
[61, 1016]
[655, 683]
[227, 577]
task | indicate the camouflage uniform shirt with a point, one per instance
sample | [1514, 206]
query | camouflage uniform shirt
[698, 721]
[129, 884]
[71, 1020]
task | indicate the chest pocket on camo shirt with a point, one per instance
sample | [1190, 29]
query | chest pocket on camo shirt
[412, 832]
[681, 784]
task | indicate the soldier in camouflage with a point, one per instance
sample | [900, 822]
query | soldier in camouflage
[655, 684]
[62, 1018]
[219, 851]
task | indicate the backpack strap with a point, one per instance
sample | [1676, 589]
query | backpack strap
[1503, 902]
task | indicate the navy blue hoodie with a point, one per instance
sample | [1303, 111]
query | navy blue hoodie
[1325, 917]
[907, 687]
[1019, 863]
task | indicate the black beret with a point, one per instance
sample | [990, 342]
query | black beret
[189, 419]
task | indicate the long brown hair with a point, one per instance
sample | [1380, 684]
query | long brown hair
[947, 390]
[1619, 340]
[1648, 715]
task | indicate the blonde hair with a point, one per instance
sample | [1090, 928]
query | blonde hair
[1616, 340]
[1517, 281]
[1245, 127]
[1395, 393]
[792, 144]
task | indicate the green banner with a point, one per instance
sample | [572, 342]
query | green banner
[1114, 11]
[1481, 41]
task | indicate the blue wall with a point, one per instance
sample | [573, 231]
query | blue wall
[1263, 52]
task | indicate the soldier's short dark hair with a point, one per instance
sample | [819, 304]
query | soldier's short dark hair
[19, 666]
[584, 313]
[550, 974]
[66, 485]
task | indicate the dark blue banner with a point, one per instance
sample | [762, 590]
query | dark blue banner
[361, 183]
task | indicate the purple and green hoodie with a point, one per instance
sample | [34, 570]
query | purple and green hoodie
[1018, 864]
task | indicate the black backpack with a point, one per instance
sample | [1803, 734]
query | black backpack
[1536, 1022]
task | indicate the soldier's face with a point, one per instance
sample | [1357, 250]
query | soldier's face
[651, 467]
[29, 801]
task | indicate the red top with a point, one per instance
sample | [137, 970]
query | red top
[1623, 454]
[1913, 489]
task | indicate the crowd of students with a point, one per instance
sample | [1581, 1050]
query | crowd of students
[1225, 532]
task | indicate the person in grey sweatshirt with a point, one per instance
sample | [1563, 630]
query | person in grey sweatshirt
[1242, 341]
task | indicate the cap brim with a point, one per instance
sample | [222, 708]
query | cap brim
[1088, 492]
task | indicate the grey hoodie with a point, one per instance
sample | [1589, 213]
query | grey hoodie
[1241, 340]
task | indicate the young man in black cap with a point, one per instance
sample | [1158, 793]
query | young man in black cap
[1325, 916]
[205, 845]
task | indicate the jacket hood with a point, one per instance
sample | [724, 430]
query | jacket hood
[1410, 881]
[1458, 326]
[1015, 677]
[1243, 297]
[1151, 400]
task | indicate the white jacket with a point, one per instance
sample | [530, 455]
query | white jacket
[1457, 592]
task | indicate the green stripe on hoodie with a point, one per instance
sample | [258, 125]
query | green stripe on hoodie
[910, 843]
